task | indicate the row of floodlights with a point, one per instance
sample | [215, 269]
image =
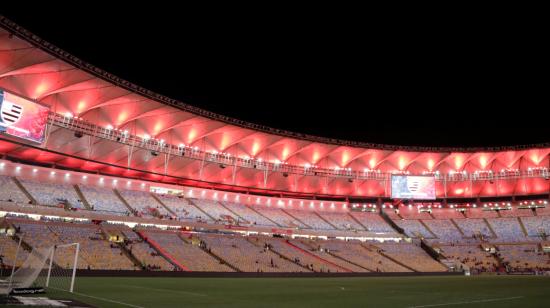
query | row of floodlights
[147, 137]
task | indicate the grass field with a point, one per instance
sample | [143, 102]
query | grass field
[453, 291]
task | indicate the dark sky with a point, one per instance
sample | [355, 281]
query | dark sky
[419, 82]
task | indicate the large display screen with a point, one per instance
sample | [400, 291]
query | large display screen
[22, 118]
[413, 187]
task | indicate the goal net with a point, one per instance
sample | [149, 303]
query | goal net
[49, 267]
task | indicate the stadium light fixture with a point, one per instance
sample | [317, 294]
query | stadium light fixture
[34, 170]
[52, 172]
[84, 177]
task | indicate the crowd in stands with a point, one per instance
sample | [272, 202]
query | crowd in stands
[363, 255]
[247, 256]
[373, 222]
[520, 258]
[325, 253]
[215, 210]
[448, 227]
[188, 253]
[53, 194]
[183, 209]
[10, 192]
[251, 216]
[412, 256]
[472, 257]
[149, 257]
[507, 230]
[444, 229]
[342, 221]
[536, 225]
[414, 228]
[144, 203]
[280, 217]
[310, 219]
[104, 200]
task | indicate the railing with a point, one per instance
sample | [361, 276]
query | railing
[158, 146]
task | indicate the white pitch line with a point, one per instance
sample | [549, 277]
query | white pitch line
[107, 300]
[168, 290]
[470, 302]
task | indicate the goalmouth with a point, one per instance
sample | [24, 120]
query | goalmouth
[45, 267]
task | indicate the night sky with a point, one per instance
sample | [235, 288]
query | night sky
[416, 83]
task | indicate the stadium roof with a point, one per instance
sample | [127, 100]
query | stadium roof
[35, 69]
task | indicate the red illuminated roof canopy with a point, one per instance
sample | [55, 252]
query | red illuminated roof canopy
[33, 68]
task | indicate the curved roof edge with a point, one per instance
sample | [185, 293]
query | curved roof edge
[57, 52]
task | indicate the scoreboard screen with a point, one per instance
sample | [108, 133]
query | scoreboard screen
[413, 187]
[22, 118]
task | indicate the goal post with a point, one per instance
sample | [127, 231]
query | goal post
[58, 268]
[51, 267]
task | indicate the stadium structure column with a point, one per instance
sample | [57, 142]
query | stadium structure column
[265, 176]
[130, 151]
[91, 139]
[202, 167]
[166, 160]
[386, 185]
[471, 187]
[445, 185]
[234, 171]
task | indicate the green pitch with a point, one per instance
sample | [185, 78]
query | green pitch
[456, 291]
